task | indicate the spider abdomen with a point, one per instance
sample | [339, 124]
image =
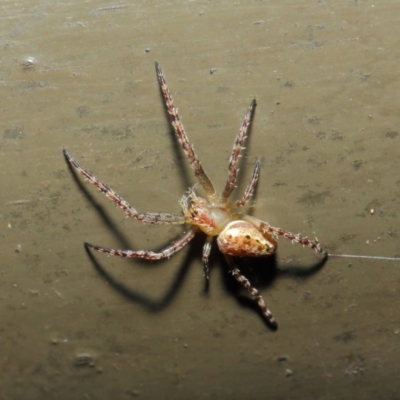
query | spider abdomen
[243, 239]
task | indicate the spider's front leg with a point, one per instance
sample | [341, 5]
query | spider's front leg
[237, 148]
[254, 293]
[248, 193]
[149, 218]
[194, 162]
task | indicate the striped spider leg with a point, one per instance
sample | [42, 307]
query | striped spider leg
[237, 234]
[149, 218]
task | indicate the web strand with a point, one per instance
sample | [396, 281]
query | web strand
[366, 257]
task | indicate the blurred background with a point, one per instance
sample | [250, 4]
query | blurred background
[78, 74]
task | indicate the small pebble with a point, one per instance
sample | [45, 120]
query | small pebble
[289, 372]
[29, 63]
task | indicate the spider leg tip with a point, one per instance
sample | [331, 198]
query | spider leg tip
[274, 325]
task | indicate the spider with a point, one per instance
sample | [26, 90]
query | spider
[237, 234]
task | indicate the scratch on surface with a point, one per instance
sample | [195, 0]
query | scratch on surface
[17, 202]
[115, 7]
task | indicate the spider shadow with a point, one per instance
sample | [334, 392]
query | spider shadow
[124, 289]
[262, 272]
[135, 296]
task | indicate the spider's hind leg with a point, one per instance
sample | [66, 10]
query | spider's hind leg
[266, 228]
[167, 252]
[255, 294]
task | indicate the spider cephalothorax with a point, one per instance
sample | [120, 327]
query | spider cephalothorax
[237, 234]
[235, 237]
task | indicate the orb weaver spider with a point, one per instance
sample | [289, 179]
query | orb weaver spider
[237, 234]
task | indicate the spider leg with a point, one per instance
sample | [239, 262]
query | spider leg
[149, 218]
[255, 294]
[206, 254]
[250, 187]
[199, 172]
[167, 252]
[237, 148]
[268, 229]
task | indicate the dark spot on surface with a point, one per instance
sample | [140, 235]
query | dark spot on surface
[316, 162]
[312, 198]
[345, 336]
[357, 164]
[82, 111]
[321, 135]
[281, 358]
[214, 126]
[277, 184]
[347, 237]
[84, 359]
[14, 133]
[393, 233]
[313, 120]
[337, 135]
[392, 134]
[288, 84]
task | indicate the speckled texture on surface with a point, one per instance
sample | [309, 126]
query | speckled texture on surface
[81, 74]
